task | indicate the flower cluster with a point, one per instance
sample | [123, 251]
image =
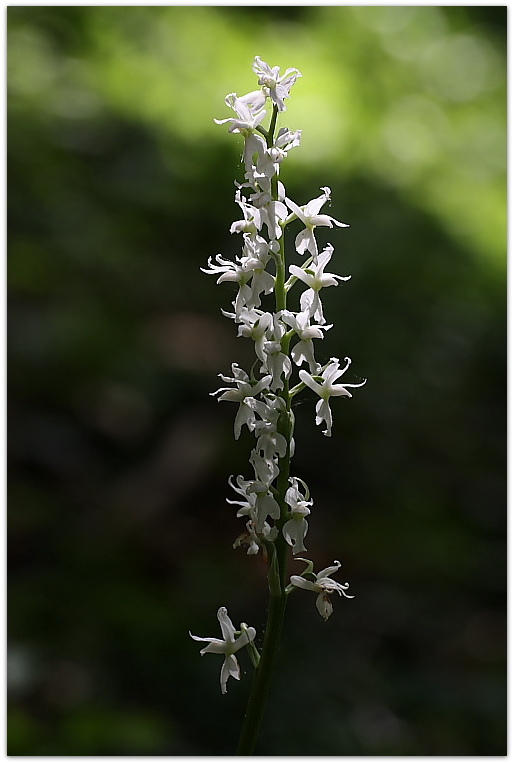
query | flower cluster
[276, 508]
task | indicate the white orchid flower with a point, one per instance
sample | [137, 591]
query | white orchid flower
[316, 278]
[295, 529]
[247, 117]
[253, 540]
[269, 162]
[254, 324]
[327, 388]
[252, 221]
[243, 389]
[278, 87]
[324, 586]
[257, 502]
[304, 350]
[227, 646]
[310, 217]
[276, 362]
[270, 443]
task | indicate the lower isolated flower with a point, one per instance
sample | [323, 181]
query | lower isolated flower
[227, 646]
[324, 586]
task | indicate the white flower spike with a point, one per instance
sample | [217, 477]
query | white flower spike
[227, 646]
[274, 507]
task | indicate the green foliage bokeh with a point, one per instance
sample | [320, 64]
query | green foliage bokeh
[120, 187]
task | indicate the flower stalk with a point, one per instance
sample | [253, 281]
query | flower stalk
[274, 503]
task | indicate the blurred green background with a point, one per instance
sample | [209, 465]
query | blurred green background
[120, 187]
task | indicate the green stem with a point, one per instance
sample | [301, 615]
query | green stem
[263, 674]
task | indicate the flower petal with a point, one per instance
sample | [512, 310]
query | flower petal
[302, 583]
[324, 606]
[310, 382]
[327, 572]
[227, 627]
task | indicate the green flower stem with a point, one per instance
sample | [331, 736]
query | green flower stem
[263, 674]
[271, 131]
[277, 574]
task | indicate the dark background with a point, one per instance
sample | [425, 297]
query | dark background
[120, 187]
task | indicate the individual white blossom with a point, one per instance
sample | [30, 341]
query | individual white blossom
[295, 529]
[274, 213]
[326, 389]
[276, 362]
[240, 273]
[324, 586]
[270, 443]
[252, 217]
[227, 646]
[244, 389]
[255, 324]
[304, 349]
[249, 272]
[316, 279]
[276, 86]
[310, 217]
[266, 471]
[253, 540]
[270, 160]
[258, 503]
[256, 254]
[248, 117]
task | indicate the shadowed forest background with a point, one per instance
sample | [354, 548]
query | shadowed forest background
[120, 539]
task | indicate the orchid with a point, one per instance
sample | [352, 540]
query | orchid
[227, 646]
[244, 389]
[304, 350]
[277, 363]
[254, 324]
[247, 117]
[277, 87]
[251, 222]
[324, 586]
[327, 389]
[269, 161]
[310, 217]
[315, 278]
[274, 506]
[257, 502]
[240, 273]
[253, 540]
[295, 529]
